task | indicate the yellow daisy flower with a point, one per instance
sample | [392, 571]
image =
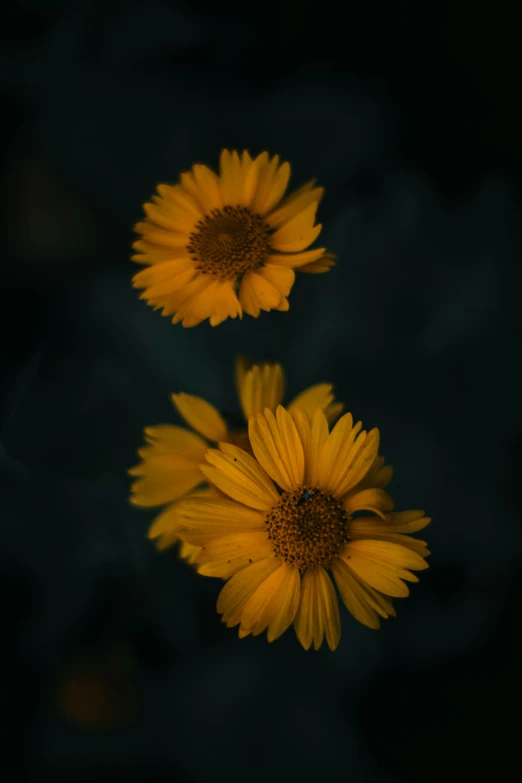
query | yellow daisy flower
[307, 502]
[216, 246]
[170, 461]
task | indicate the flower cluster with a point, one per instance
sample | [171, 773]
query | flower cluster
[285, 502]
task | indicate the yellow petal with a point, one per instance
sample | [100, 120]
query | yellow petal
[318, 396]
[188, 552]
[243, 365]
[318, 613]
[347, 455]
[158, 236]
[167, 438]
[167, 521]
[319, 267]
[383, 565]
[161, 272]
[252, 178]
[165, 481]
[278, 448]
[267, 176]
[181, 299]
[298, 233]
[408, 521]
[180, 278]
[167, 219]
[275, 190]
[238, 475]
[147, 253]
[376, 500]
[295, 203]
[354, 596]
[200, 184]
[215, 300]
[178, 196]
[248, 297]
[209, 187]
[206, 518]
[313, 434]
[281, 277]
[201, 416]
[241, 586]
[261, 387]
[229, 554]
[261, 294]
[232, 178]
[273, 604]
[167, 525]
[384, 530]
[295, 260]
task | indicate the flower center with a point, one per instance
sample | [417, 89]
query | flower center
[307, 527]
[229, 242]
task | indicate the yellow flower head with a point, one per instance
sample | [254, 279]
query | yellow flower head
[216, 246]
[170, 462]
[307, 502]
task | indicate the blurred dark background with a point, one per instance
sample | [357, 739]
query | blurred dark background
[114, 663]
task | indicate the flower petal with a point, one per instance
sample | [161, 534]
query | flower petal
[204, 519]
[241, 586]
[229, 554]
[313, 434]
[383, 565]
[232, 177]
[209, 187]
[318, 612]
[268, 175]
[376, 500]
[408, 521]
[295, 260]
[347, 455]
[164, 479]
[278, 448]
[319, 267]
[354, 596]
[274, 189]
[252, 178]
[177, 195]
[260, 387]
[273, 604]
[257, 293]
[295, 203]
[384, 530]
[158, 236]
[281, 277]
[201, 416]
[298, 233]
[238, 475]
[318, 396]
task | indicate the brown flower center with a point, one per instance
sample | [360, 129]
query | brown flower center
[307, 527]
[229, 242]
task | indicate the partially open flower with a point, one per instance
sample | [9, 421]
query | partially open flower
[170, 462]
[216, 246]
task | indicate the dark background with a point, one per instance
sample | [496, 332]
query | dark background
[114, 663]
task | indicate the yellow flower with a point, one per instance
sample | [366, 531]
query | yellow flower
[170, 462]
[307, 502]
[216, 246]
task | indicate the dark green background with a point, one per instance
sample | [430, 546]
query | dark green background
[406, 113]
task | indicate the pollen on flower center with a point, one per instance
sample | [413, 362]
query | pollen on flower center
[307, 527]
[229, 242]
